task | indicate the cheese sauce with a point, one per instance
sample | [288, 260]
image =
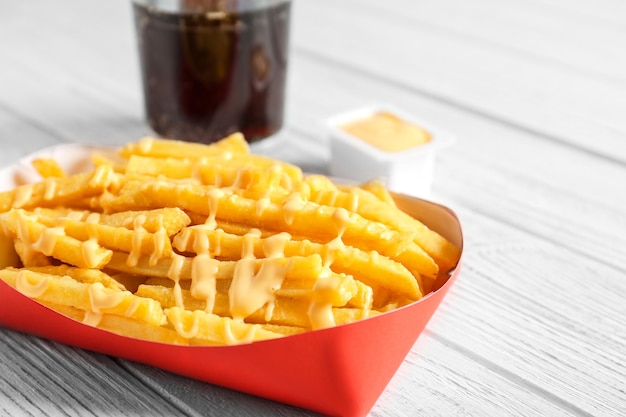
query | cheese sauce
[294, 203]
[387, 132]
[92, 319]
[100, 299]
[30, 284]
[137, 240]
[251, 290]
[173, 273]
[47, 240]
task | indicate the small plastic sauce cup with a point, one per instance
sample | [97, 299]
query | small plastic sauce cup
[386, 144]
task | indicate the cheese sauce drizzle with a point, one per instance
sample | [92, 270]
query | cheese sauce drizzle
[203, 271]
[137, 239]
[179, 325]
[92, 319]
[47, 240]
[250, 290]
[100, 299]
[30, 284]
[173, 273]
[89, 252]
[293, 204]
[214, 197]
[160, 241]
[23, 233]
[231, 339]
[320, 309]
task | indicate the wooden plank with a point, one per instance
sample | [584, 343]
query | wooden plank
[44, 378]
[564, 106]
[556, 192]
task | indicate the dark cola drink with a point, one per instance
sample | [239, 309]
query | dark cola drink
[212, 68]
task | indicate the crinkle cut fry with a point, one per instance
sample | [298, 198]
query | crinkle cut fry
[124, 326]
[293, 288]
[172, 219]
[48, 168]
[84, 275]
[114, 238]
[298, 267]
[369, 267]
[53, 191]
[236, 171]
[94, 297]
[371, 207]
[286, 311]
[307, 219]
[52, 241]
[165, 148]
[214, 329]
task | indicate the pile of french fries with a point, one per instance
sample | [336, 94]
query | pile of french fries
[198, 244]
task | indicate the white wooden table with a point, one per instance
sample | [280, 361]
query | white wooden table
[535, 92]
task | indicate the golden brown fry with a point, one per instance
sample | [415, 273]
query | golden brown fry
[166, 148]
[29, 257]
[185, 243]
[84, 275]
[48, 168]
[8, 253]
[298, 267]
[320, 222]
[120, 325]
[215, 329]
[172, 219]
[369, 267]
[378, 189]
[58, 191]
[285, 312]
[371, 207]
[52, 241]
[137, 242]
[242, 171]
[94, 297]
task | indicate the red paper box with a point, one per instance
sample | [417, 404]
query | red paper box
[321, 370]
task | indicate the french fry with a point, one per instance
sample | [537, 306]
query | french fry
[314, 220]
[52, 241]
[377, 188]
[124, 326]
[215, 329]
[48, 168]
[373, 208]
[193, 244]
[94, 297]
[84, 275]
[137, 242]
[172, 219]
[244, 171]
[28, 257]
[370, 267]
[58, 191]
[298, 267]
[287, 312]
[164, 148]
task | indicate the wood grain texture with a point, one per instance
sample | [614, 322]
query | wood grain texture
[535, 93]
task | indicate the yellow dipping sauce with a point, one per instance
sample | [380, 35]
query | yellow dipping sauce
[387, 132]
